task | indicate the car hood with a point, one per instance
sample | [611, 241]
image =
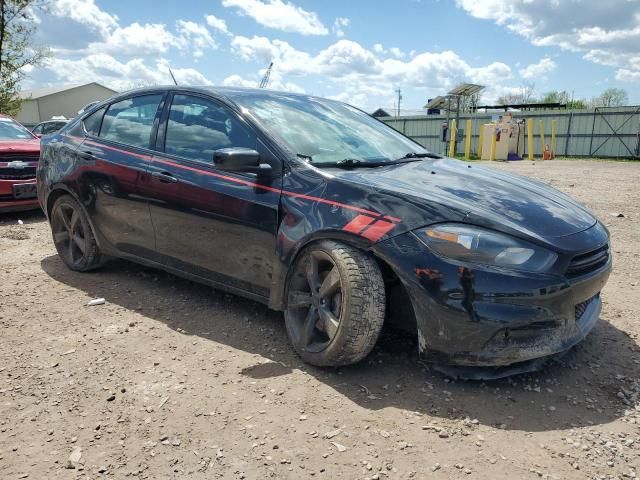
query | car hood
[20, 146]
[449, 190]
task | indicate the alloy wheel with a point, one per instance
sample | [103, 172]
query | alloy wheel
[69, 233]
[315, 302]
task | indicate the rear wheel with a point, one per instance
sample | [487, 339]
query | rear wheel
[72, 235]
[335, 304]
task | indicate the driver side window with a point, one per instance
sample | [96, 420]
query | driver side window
[197, 127]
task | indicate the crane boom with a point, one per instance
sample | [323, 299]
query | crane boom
[265, 80]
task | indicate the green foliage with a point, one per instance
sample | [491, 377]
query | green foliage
[611, 97]
[18, 54]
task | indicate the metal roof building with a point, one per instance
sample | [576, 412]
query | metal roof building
[43, 103]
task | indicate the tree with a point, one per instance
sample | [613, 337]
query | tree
[565, 98]
[525, 95]
[470, 103]
[612, 97]
[17, 51]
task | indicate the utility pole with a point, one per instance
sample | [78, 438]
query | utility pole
[399, 92]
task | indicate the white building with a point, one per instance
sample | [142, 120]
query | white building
[43, 103]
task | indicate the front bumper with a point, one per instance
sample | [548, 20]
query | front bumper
[468, 316]
[7, 201]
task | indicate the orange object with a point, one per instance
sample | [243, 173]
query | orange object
[548, 154]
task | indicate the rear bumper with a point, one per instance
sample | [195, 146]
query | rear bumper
[467, 316]
[8, 203]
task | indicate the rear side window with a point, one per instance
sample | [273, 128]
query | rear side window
[198, 126]
[130, 121]
[93, 121]
[37, 129]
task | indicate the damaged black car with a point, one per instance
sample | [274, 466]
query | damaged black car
[318, 210]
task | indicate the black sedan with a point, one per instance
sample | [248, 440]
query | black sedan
[319, 210]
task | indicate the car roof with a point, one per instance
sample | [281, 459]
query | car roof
[230, 93]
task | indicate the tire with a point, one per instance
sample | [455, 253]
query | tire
[73, 236]
[335, 304]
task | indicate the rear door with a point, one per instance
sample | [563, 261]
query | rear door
[116, 153]
[211, 223]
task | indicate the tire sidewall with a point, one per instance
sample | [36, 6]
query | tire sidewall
[85, 264]
[338, 343]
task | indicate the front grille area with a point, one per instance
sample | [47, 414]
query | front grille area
[17, 173]
[582, 307]
[588, 262]
[11, 173]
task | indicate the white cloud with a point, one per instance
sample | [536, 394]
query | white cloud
[364, 75]
[626, 75]
[195, 37]
[135, 39]
[280, 15]
[607, 32]
[237, 81]
[217, 23]
[538, 70]
[86, 13]
[275, 82]
[396, 52]
[339, 25]
[121, 75]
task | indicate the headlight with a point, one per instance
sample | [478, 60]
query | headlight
[486, 247]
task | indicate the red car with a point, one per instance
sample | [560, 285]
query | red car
[19, 154]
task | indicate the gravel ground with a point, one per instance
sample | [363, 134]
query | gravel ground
[171, 379]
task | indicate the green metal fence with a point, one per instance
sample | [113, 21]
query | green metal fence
[601, 133]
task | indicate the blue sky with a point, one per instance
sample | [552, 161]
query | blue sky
[357, 51]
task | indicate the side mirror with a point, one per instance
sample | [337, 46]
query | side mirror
[238, 159]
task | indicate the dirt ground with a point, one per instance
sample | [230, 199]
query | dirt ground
[171, 379]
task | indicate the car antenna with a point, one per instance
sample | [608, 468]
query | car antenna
[174, 78]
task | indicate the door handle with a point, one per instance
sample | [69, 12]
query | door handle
[87, 155]
[164, 177]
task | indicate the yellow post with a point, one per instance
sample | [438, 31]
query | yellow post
[541, 124]
[530, 137]
[554, 124]
[492, 156]
[467, 143]
[452, 138]
[480, 140]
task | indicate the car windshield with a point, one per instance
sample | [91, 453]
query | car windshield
[11, 130]
[327, 131]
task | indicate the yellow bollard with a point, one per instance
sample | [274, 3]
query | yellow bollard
[467, 143]
[480, 140]
[452, 139]
[541, 124]
[530, 137]
[554, 124]
[492, 156]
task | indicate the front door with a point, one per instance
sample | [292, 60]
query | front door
[211, 223]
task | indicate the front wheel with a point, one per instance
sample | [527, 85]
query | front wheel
[335, 304]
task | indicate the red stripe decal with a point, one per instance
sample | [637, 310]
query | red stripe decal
[358, 224]
[378, 230]
[271, 189]
[126, 152]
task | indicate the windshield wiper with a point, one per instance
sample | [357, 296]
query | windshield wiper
[354, 163]
[420, 155]
[304, 157]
